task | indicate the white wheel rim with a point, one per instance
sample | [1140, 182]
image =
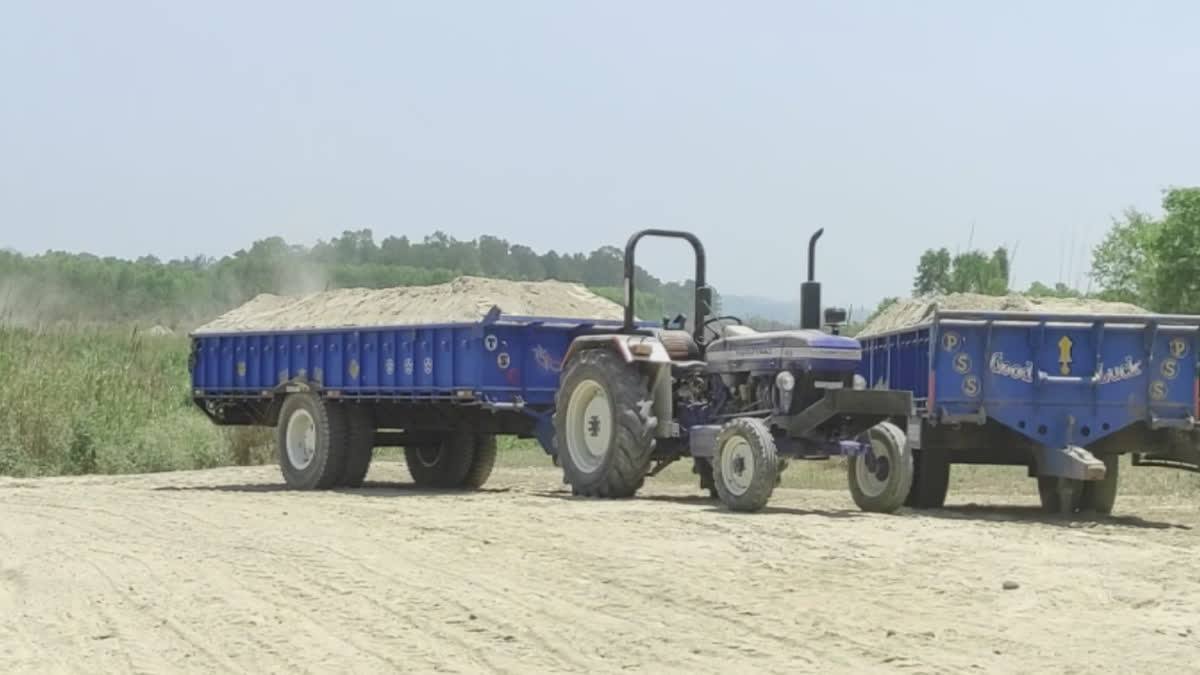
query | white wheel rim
[301, 439]
[589, 425]
[737, 465]
[868, 482]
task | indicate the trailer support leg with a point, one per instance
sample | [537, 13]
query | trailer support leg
[1072, 462]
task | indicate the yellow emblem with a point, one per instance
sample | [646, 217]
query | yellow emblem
[353, 368]
[1178, 347]
[241, 368]
[970, 386]
[1064, 354]
[951, 341]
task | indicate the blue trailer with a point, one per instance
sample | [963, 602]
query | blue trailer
[443, 392]
[1063, 394]
[611, 401]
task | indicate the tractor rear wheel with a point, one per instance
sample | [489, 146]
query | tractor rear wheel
[603, 427]
[746, 464]
[881, 479]
[311, 437]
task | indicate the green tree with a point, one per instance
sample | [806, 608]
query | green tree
[967, 272]
[1154, 262]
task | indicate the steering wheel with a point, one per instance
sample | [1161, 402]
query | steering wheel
[706, 325]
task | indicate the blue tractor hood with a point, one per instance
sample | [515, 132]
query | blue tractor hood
[742, 348]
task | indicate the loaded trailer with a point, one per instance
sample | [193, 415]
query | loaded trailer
[611, 401]
[443, 392]
[1062, 394]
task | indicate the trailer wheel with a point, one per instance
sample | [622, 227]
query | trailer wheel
[1064, 501]
[746, 464]
[603, 428]
[360, 445]
[931, 479]
[1100, 495]
[440, 465]
[483, 459]
[881, 480]
[311, 437]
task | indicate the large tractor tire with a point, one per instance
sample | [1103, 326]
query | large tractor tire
[483, 459]
[881, 481]
[1100, 495]
[360, 445]
[745, 464]
[311, 437]
[603, 428]
[442, 465]
[931, 479]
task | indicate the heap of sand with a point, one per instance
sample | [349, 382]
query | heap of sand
[464, 299]
[915, 311]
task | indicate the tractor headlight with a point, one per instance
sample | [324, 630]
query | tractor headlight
[860, 382]
[785, 381]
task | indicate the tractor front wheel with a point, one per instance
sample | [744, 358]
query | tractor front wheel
[603, 427]
[746, 464]
[881, 479]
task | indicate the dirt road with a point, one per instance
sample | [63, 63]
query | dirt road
[224, 571]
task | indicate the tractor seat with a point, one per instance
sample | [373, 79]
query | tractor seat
[680, 345]
[736, 330]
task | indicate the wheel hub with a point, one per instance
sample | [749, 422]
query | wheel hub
[301, 437]
[737, 465]
[875, 468]
[589, 425]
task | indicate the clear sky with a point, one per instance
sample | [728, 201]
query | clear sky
[176, 128]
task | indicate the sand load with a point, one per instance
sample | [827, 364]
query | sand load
[915, 311]
[464, 299]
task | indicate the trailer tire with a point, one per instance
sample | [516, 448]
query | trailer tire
[745, 446]
[360, 445]
[1100, 495]
[931, 479]
[1053, 501]
[443, 465]
[483, 460]
[887, 494]
[607, 399]
[311, 438]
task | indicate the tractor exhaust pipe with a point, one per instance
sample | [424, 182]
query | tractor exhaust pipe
[810, 291]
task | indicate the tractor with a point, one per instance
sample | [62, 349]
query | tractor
[740, 403]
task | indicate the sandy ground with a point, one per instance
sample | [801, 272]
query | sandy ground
[224, 571]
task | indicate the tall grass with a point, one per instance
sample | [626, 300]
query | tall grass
[105, 400]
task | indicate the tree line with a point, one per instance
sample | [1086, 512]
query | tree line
[62, 286]
[1152, 261]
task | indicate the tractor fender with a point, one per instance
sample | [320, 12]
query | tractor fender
[639, 348]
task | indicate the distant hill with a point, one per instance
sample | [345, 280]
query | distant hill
[781, 311]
